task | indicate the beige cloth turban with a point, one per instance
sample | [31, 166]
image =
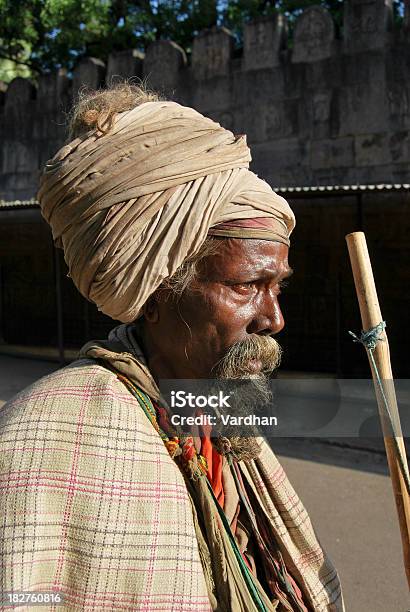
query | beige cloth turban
[130, 206]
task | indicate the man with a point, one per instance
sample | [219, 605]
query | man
[165, 229]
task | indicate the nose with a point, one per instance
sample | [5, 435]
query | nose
[268, 318]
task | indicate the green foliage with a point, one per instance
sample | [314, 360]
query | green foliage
[41, 35]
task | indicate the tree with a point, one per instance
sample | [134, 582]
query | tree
[41, 35]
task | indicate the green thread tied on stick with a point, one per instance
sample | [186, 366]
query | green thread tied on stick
[369, 339]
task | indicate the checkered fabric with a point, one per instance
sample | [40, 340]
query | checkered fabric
[91, 504]
[292, 529]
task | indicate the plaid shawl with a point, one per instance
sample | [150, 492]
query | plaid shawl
[93, 506]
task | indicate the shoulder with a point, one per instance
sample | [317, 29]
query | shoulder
[84, 392]
[80, 379]
[83, 372]
[74, 414]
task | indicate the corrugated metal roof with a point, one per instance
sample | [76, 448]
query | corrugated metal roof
[345, 188]
[311, 189]
[13, 204]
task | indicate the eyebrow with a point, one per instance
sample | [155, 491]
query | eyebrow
[286, 273]
[261, 274]
[279, 276]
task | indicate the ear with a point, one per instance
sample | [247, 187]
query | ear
[151, 309]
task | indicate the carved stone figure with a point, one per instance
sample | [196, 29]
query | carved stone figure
[366, 24]
[314, 35]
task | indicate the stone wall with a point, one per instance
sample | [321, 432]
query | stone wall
[326, 111]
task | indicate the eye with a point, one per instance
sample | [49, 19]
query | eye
[243, 288]
[249, 287]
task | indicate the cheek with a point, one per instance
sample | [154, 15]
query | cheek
[217, 317]
[228, 310]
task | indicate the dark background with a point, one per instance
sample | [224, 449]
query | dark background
[319, 305]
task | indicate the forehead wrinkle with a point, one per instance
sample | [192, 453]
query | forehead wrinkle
[285, 271]
[236, 260]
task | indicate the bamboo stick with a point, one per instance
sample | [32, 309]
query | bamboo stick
[371, 316]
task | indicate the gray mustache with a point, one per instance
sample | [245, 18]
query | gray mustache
[235, 363]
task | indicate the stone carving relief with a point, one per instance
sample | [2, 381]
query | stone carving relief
[314, 35]
[363, 21]
[278, 121]
[321, 107]
[366, 24]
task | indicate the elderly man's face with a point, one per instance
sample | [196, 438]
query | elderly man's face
[235, 297]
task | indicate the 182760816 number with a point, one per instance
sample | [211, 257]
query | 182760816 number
[33, 598]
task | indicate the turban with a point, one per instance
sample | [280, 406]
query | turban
[130, 206]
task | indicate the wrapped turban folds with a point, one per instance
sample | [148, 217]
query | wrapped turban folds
[130, 206]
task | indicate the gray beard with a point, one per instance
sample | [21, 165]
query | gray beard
[252, 392]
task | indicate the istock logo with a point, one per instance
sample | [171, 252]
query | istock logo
[181, 399]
